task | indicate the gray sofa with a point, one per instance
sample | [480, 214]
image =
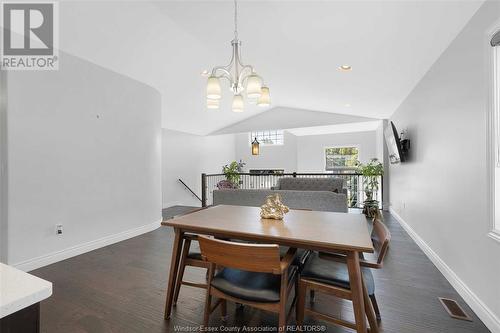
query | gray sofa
[322, 194]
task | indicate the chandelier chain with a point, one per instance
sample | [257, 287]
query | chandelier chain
[241, 78]
[235, 19]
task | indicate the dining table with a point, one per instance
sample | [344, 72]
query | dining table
[346, 233]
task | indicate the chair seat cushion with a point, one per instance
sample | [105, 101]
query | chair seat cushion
[333, 273]
[194, 255]
[250, 286]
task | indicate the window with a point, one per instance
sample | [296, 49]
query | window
[271, 137]
[496, 102]
[341, 157]
[495, 140]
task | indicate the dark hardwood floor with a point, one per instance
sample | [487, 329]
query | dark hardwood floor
[121, 288]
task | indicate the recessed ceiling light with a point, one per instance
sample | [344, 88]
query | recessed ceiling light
[205, 73]
[347, 105]
[345, 68]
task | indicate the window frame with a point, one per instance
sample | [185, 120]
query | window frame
[338, 146]
[262, 143]
[493, 131]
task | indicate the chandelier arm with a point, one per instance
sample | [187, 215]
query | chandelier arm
[222, 69]
[244, 76]
[238, 58]
[228, 78]
[225, 74]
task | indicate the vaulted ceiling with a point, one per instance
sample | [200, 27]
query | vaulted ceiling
[295, 45]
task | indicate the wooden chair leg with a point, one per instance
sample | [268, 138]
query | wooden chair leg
[223, 310]
[282, 317]
[301, 303]
[312, 295]
[375, 306]
[370, 313]
[208, 305]
[356, 282]
[185, 252]
[208, 300]
[283, 301]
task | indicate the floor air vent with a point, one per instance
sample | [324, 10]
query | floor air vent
[454, 309]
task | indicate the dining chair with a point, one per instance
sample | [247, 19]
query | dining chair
[189, 257]
[249, 274]
[328, 273]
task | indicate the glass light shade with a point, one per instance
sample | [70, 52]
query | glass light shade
[212, 103]
[213, 88]
[254, 84]
[255, 147]
[238, 103]
[265, 98]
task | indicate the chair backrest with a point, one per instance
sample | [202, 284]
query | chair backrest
[381, 236]
[248, 257]
[332, 184]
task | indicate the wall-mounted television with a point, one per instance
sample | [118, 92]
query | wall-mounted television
[398, 149]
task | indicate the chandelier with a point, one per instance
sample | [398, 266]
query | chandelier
[242, 78]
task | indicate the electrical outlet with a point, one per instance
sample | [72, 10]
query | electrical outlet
[59, 229]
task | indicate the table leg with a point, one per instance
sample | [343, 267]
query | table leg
[355, 280]
[174, 268]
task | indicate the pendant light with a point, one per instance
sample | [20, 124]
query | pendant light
[240, 76]
[212, 103]
[255, 147]
[265, 98]
[238, 103]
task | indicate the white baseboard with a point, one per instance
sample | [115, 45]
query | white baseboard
[482, 311]
[53, 257]
[171, 204]
[180, 203]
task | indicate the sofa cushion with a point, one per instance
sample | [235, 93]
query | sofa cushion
[332, 184]
[315, 200]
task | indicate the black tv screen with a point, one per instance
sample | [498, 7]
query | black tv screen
[394, 144]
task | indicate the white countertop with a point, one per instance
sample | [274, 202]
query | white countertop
[19, 290]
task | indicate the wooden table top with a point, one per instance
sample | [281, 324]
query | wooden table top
[303, 229]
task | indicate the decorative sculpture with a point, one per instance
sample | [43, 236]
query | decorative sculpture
[273, 208]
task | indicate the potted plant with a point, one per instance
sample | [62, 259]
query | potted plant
[371, 172]
[232, 173]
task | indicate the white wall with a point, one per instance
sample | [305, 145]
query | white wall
[3, 168]
[305, 153]
[383, 156]
[270, 157]
[84, 151]
[497, 199]
[311, 148]
[187, 156]
[441, 193]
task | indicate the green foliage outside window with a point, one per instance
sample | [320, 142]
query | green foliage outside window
[341, 157]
